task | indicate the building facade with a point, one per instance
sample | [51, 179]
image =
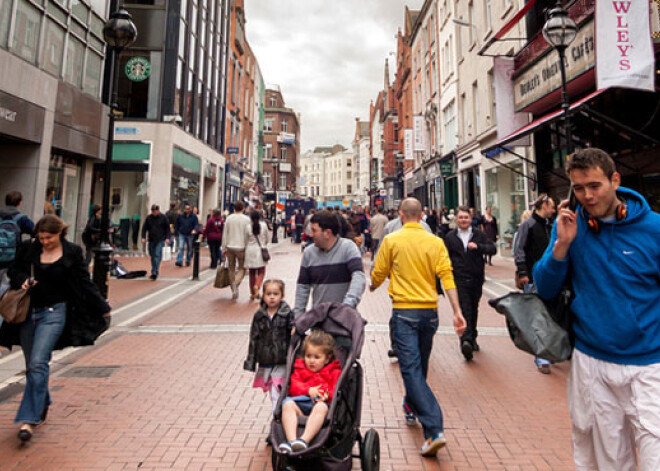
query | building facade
[338, 178]
[361, 162]
[169, 145]
[312, 173]
[281, 163]
[53, 126]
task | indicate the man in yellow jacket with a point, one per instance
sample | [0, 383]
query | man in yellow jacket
[412, 257]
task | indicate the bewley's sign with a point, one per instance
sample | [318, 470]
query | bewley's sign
[545, 76]
[624, 47]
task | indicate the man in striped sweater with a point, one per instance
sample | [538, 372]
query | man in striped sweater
[331, 269]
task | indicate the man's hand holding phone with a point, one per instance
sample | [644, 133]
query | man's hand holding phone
[566, 227]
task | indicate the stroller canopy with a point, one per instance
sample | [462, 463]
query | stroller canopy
[335, 319]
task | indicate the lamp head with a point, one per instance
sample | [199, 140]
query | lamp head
[559, 30]
[120, 31]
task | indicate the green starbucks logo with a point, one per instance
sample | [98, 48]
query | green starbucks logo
[138, 69]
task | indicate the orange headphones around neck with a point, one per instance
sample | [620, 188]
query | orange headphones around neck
[593, 223]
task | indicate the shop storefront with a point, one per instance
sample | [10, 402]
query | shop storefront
[64, 179]
[418, 186]
[232, 186]
[186, 169]
[449, 183]
[128, 191]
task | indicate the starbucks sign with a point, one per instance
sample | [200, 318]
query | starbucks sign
[138, 69]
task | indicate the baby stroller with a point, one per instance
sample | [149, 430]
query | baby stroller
[332, 448]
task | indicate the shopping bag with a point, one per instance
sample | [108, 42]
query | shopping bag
[538, 327]
[222, 276]
[167, 253]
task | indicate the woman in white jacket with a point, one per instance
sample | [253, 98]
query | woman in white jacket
[257, 237]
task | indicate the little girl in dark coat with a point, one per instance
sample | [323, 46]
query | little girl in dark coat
[270, 334]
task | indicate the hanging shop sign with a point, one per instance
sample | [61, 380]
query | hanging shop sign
[624, 48]
[138, 69]
[408, 143]
[544, 77]
[419, 133]
[447, 168]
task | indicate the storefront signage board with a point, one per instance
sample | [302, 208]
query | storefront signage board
[19, 118]
[232, 150]
[447, 168]
[544, 77]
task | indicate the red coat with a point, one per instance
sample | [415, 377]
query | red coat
[302, 379]
[214, 228]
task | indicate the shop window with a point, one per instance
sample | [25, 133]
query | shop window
[184, 187]
[53, 48]
[64, 175]
[74, 62]
[26, 31]
[5, 16]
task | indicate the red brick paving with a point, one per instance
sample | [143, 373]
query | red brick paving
[182, 401]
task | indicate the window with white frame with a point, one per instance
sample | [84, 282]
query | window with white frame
[282, 182]
[268, 182]
[268, 151]
[449, 118]
[466, 131]
[284, 125]
[268, 124]
[273, 102]
[283, 153]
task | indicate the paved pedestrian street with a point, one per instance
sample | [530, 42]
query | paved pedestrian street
[167, 391]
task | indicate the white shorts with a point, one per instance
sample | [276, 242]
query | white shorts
[614, 409]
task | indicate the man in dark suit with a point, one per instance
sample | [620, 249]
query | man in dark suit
[467, 246]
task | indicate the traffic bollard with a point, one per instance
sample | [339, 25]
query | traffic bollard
[196, 245]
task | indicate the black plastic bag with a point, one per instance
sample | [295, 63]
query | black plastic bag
[538, 327]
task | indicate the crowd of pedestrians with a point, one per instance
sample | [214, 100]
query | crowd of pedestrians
[604, 244]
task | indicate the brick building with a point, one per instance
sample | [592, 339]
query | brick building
[281, 162]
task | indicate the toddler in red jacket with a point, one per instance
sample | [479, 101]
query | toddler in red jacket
[312, 385]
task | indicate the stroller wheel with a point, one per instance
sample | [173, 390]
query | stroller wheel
[279, 462]
[370, 452]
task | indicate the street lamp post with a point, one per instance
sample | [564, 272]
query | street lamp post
[119, 32]
[560, 31]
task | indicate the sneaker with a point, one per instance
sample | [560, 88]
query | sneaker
[178, 264]
[433, 444]
[408, 414]
[299, 445]
[285, 448]
[466, 350]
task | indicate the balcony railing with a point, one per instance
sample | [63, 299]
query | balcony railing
[579, 11]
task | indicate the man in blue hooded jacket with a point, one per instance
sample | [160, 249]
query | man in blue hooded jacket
[610, 246]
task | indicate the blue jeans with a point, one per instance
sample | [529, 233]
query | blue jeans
[39, 335]
[413, 331]
[156, 252]
[185, 243]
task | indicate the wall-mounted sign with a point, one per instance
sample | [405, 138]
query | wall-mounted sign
[285, 167]
[447, 168]
[286, 138]
[545, 76]
[126, 130]
[232, 150]
[138, 69]
[408, 143]
[20, 118]
[419, 133]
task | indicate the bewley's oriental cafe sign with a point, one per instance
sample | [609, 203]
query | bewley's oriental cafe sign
[545, 76]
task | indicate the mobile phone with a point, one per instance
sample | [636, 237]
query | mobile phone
[572, 201]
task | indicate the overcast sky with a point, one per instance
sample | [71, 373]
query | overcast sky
[328, 58]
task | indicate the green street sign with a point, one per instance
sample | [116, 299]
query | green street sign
[138, 69]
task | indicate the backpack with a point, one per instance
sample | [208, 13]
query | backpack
[10, 238]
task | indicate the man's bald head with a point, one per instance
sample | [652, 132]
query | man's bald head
[410, 210]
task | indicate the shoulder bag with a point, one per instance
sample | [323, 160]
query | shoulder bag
[264, 251]
[15, 303]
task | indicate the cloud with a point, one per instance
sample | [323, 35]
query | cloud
[327, 56]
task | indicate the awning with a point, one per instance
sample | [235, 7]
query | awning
[534, 125]
[499, 36]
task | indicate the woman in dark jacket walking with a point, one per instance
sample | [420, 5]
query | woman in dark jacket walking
[213, 234]
[66, 309]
